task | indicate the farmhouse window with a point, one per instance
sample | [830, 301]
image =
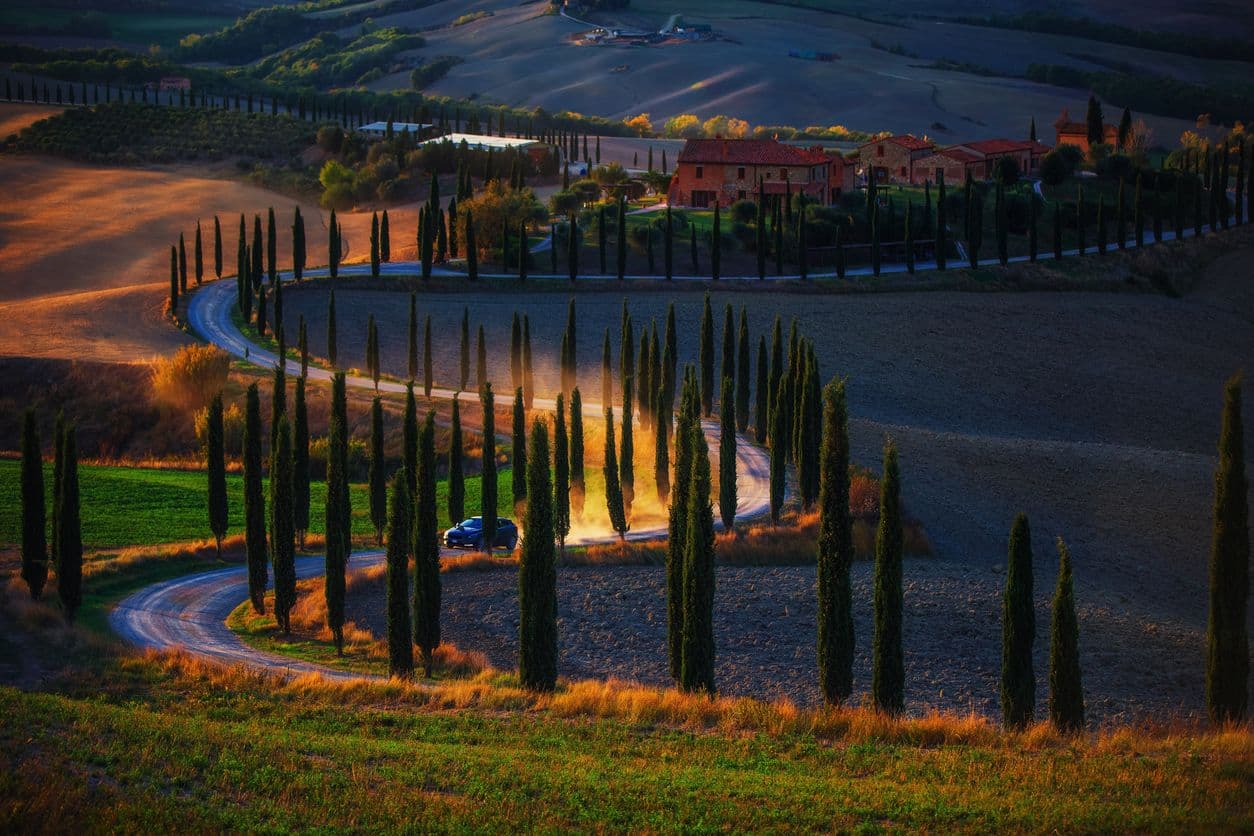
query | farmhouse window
[702, 200]
[783, 174]
[700, 172]
[740, 173]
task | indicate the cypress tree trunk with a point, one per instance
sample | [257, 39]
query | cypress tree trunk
[577, 488]
[1018, 631]
[760, 412]
[677, 528]
[613, 487]
[518, 467]
[727, 457]
[400, 647]
[1227, 642]
[254, 503]
[561, 475]
[378, 476]
[835, 552]
[300, 464]
[537, 574]
[1066, 694]
[34, 513]
[487, 490]
[385, 239]
[336, 536]
[70, 533]
[375, 255]
[697, 650]
[282, 533]
[707, 359]
[215, 467]
[182, 264]
[199, 256]
[779, 451]
[426, 551]
[217, 247]
[456, 472]
[887, 661]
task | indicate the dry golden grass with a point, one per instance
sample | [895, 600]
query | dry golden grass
[189, 379]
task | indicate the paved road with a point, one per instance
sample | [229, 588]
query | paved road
[190, 612]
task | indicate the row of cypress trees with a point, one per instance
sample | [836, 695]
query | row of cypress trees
[64, 555]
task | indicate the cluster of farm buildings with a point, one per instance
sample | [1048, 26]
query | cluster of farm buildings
[722, 171]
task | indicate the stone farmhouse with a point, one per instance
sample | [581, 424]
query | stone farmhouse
[722, 171]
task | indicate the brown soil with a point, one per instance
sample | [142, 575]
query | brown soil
[15, 117]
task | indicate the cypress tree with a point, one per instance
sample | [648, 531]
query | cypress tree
[215, 466]
[561, 475]
[400, 646]
[426, 550]
[261, 311]
[627, 467]
[199, 256]
[412, 342]
[300, 463]
[941, 222]
[697, 649]
[1018, 631]
[481, 361]
[613, 487]
[707, 359]
[760, 419]
[254, 503]
[519, 465]
[332, 348]
[728, 368]
[257, 268]
[778, 451]
[537, 574]
[58, 467]
[677, 529]
[426, 358]
[69, 557]
[1066, 693]
[487, 490]
[272, 248]
[777, 366]
[661, 449]
[34, 513]
[217, 247]
[887, 661]
[456, 471]
[809, 434]
[572, 247]
[385, 239]
[577, 488]
[377, 477]
[298, 245]
[282, 534]
[182, 264]
[375, 254]
[465, 356]
[339, 408]
[742, 372]
[648, 248]
[646, 378]
[727, 457]
[835, 552]
[1094, 121]
[1227, 642]
[528, 381]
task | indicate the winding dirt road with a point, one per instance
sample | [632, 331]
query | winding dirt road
[190, 612]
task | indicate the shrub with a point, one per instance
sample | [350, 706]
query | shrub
[190, 378]
[232, 429]
[1008, 170]
[1054, 168]
[330, 138]
[744, 211]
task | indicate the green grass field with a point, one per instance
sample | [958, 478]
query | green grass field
[131, 506]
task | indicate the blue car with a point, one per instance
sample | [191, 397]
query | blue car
[468, 534]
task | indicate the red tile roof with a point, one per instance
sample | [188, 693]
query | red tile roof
[959, 154]
[998, 146]
[908, 141]
[747, 152]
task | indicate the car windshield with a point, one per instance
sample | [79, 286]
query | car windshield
[473, 522]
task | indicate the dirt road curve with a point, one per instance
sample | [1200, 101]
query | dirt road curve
[190, 612]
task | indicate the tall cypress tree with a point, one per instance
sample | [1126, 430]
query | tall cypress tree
[577, 486]
[742, 372]
[809, 435]
[400, 642]
[34, 513]
[1227, 642]
[697, 649]
[537, 574]
[69, 557]
[1018, 631]
[217, 247]
[385, 239]
[627, 466]
[378, 476]
[613, 486]
[58, 467]
[835, 552]
[728, 367]
[426, 550]
[518, 467]
[174, 283]
[298, 245]
[487, 490]
[707, 359]
[182, 264]
[254, 502]
[677, 530]
[199, 256]
[282, 533]
[1066, 693]
[561, 474]
[300, 463]
[760, 416]
[727, 457]
[887, 660]
[272, 248]
[778, 450]
[215, 467]
[607, 371]
[375, 255]
[409, 440]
